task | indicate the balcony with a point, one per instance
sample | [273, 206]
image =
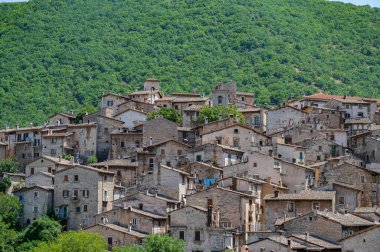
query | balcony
[75, 198]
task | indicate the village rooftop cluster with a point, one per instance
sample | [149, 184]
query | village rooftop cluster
[301, 177]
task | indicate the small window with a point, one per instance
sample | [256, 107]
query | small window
[31, 171]
[53, 152]
[176, 106]
[332, 137]
[179, 152]
[341, 200]
[109, 240]
[109, 103]
[118, 173]
[197, 236]
[105, 178]
[35, 194]
[65, 178]
[236, 131]
[198, 158]
[254, 164]
[122, 144]
[134, 222]
[141, 206]
[49, 170]
[35, 209]
[162, 151]
[290, 207]
[137, 144]
[85, 208]
[360, 114]
[106, 131]
[182, 235]
[86, 193]
[76, 178]
[320, 147]
[78, 209]
[65, 193]
[362, 179]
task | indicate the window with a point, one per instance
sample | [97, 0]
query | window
[118, 173]
[75, 193]
[109, 240]
[85, 208]
[137, 144]
[182, 235]
[198, 158]
[220, 99]
[105, 178]
[341, 200]
[35, 194]
[320, 147]
[362, 179]
[347, 115]
[122, 144]
[277, 164]
[53, 152]
[65, 193]
[76, 178]
[318, 158]
[66, 178]
[105, 196]
[236, 131]
[78, 209]
[49, 169]
[106, 131]
[109, 103]
[290, 207]
[332, 137]
[35, 209]
[347, 106]
[53, 140]
[179, 152]
[162, 151]
[141, 206]
[360, 114]
[151, 163]
[134, 222]
[85, 193]
[236, 142]
[197, 236]
[254, 164]
[176, 106]
[315, 205]
[256, 120]
[31, 171]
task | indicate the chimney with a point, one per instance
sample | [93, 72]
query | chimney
[17, 126]
[59, 158]
[124, 205]
[230, 119]
[307, 236]
[155, 192]
[276, 194]
[150, 140]
[289, 243]
[206, 120]
[129, 228]
[72, 160]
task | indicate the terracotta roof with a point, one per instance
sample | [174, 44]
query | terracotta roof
[245, 93]
[308, 195]
[61, 161]
[321, 96]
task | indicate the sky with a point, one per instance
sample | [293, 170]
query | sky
[373, 3]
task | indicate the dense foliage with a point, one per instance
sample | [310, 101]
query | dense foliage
[167, 113]
[74, 241]
[219, 112]
[156, 243]
[60, 55]
[8, 165]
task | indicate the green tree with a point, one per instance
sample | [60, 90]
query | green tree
[167, 113]
[133, 248]
[91, 160]
[219, 112]
[80, 241]
[5, 183]
[8, 165]
[8, 237]
[159, 243]
[10, 208]
[42, 229]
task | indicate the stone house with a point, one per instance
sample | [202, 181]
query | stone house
[105, 125]
[329, 225]
[347, 197]
[190, 115]
[278, 206]
[295, 242]
[199, 228]
[62, 118]
[135, 105]
[324, 118]
[47, 164]
[286, 116]
[321, 149]
[290, 153]
[357, 125]
[130, 117]
[80, 192]
[117, 236]
[216, 154]
[36, 201]
[24, 144]
[82, 142]
[125, 170]
[296, 177]
[255, 118]
[112, 101]
[236, 210]
[150, 94]
[369, 213]
[54, 141]
[361, 178]
[156, 203]
[236, 136]
[40, 178]
[17, 181]
[354, 108]
[223, 94]
[159, 130]
[366, 240]
[125, 143]
[3, 150]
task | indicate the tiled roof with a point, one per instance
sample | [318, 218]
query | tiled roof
[123, 230]
[245, 93]
[358, 121]
[193, 108]
[367, 210]
[321, 96]
[317, 241]
[308, 195]
[348, 220]
[116, 162]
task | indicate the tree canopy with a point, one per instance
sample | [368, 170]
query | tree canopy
[9, 209]
[8, 165]
[156, 243]
[219, 112]
[167, 113]
[62, 55]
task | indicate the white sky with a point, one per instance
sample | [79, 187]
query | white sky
[373, 3]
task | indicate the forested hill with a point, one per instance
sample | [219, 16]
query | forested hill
[58, 55]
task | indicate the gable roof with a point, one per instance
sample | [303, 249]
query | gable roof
[130, 109]
[235, 125]
[55, 160]
[116, 162]
[306, 195]
[119, 229]
[166, 141]
[87, 168]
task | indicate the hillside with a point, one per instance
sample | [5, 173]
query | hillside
[60, 55]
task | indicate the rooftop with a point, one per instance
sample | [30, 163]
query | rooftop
[308, 195]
